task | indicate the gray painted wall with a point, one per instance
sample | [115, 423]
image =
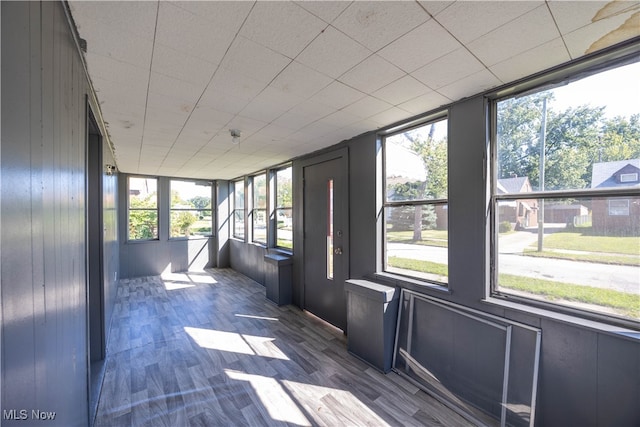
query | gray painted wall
[111, 250]
[153, 257]
[44, 305]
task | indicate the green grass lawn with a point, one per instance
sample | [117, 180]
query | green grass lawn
[626, 304]
[613, 259]
[429, 237]
[577, 241]
[285, 244]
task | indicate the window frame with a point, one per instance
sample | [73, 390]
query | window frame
[386, 204]
[211, 187]
[156, 209]
[253, 214]
[559, 76]
[277, 208]
[243, 210]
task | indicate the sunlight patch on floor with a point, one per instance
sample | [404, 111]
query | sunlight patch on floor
[273, 397]
[249, 316]
[236, 343]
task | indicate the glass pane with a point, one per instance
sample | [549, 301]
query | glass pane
[330, 229]
[284, 229]
[260, 192]
[417, 241]
[238, 195]
[190, 223]
[238, 224]
[588, 130]
[284, 194]
[577, 253]
[143, 192]
[143, 208]
[259, 226]
[416, 163]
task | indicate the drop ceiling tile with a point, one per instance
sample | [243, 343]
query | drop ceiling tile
[248, 58]
[120, 95]
[523, 33]
[371, 74]
[227, 15]
[300, 80]
[433, 40]
[181, 30]
[208, 120]
[274, 132]
[340, 119]
[230, 93]
[376, 24]
[270, 104]
[282, 26]
[532, 61]
[137, 18]
[246, 125]
[401, 90]
[294, 120]
[159, 138]
[175, 88]
[333, 53]
[571, 15]
[325, 10]
[390, 116]
[435, 7]
[337, 95]
[104, 41]
[447, 69]
[602, 34]
[469, 20]
[110, 70]
[425, 103]
[367, 107]
[470, 85]
[179, 65]
[314, 109]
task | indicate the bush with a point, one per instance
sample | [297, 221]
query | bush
[504, 227]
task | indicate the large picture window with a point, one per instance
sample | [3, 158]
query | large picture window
[238, 209]
[190, 209]
[284, 208]
[259, 209]
[566, 209]
[143, 208]
[415, 208]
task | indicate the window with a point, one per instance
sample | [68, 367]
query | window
[190, 209]
[576, 245]
[259, 211]
[628, 177]
[415, 207]
[284, 211]
[238, 209]
[618, 207]
[143, 208]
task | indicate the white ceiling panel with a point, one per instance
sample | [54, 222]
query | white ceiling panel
[469, 85]
[401, 90]
[468, 21]
[434, 42]
[426, 102]
[325, 10]
[447, 69]
[337, 95]
[526, 63]
[376, 24]
[282, 26]
[181, 30]
[177, 64]
[248, 58]
[371, 74]
[333, 53]
[603, 33]
[526, 32]
[571, 15]
[295, 77]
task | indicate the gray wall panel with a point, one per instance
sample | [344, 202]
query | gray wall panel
[44, 324]
[248, 259]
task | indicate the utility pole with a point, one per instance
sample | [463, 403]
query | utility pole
[543, 137]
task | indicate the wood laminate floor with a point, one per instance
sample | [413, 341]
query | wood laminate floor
[207, 349]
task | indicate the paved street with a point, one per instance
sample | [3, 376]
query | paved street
[622, 278]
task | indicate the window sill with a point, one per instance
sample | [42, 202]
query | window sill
[199, 237]
[138, 242]
[410, 283]
[594, 325]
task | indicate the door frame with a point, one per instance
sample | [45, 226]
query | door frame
[341, 154]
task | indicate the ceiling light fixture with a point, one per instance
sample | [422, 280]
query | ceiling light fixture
[235, 136]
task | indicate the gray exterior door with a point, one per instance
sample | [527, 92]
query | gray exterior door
[325, 241]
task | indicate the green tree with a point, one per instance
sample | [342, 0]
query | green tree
[200, 202]
[143, 218]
